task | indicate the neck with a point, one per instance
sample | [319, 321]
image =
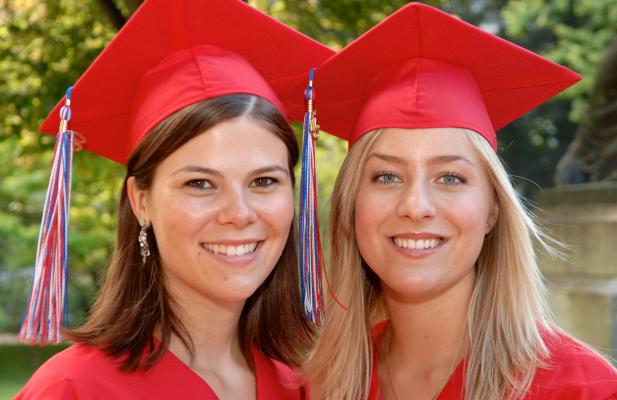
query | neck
[213, 329]
[430, 335]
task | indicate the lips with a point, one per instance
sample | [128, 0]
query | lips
[235, 250]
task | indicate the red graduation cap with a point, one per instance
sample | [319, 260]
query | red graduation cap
[169, 55]
[423, 68]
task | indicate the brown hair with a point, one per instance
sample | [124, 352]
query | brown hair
[134, 302]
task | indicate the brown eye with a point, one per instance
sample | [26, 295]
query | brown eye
[200, 184]
[263, 182]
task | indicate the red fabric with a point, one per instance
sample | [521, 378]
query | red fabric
[415, 70]
[188, 76]
[575, 373]
[83, 372]
[157, 64]
[442, 94]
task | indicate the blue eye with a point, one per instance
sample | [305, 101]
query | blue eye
[386, 178]
[452, 179]
[200, 184]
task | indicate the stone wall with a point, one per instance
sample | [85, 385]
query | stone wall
[583, 285]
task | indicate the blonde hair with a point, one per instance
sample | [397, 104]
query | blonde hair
[507, 316]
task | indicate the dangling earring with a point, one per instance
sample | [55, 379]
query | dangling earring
[144, 249]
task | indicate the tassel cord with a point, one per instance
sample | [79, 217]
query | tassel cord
[46, 309]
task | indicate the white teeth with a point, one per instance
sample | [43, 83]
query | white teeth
[233, 251]
[417, 244]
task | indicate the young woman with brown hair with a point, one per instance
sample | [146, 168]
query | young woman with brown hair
[427, 229]
[201, 299]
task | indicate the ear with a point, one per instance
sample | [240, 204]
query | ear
[139, 201]
[493, 215]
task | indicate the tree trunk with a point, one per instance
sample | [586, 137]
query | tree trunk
[113, 13]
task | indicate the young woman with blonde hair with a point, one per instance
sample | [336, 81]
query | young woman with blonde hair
[427, 230]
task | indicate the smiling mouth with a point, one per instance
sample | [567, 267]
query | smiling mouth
[229, 250]
[420, 244]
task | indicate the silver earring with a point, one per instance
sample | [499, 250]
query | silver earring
[144, 249]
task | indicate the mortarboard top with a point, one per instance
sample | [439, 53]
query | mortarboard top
[423, 68]
[172, 54]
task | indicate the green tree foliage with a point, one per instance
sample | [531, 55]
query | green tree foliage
[571, 32]
[574, 33]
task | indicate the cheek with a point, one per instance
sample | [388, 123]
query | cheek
[369, 215]
[278, 212]
[180, 217]
[372, 209]
[470, 213]
[184, 211]
[469, 218]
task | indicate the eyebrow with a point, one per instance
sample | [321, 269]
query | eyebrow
[270, 168]
[211, 171]
[389, 158]
[197, 168]
[448, 159]
[443, 159]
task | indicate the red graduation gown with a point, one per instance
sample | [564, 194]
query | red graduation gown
[576, 373]
[84, 372]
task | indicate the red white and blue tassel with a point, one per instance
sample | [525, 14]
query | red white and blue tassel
[310, 251]
[47, 304]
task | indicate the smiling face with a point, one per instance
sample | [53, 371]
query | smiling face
[221, 207]
[423, 207]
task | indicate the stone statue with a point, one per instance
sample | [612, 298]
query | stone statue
[592, 155]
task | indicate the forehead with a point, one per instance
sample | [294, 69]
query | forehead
[418, 144]
[240, 143]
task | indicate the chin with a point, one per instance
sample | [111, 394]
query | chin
[238, 292]
[412, 290]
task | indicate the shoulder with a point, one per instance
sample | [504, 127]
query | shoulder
[574, 371]
[72, 373]
[275, 379]
[571, 357]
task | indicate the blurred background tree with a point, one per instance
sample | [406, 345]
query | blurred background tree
[46, 44]
[44, 47]
[576, 33]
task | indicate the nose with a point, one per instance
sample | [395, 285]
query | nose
[416, 202]
[236, 209]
